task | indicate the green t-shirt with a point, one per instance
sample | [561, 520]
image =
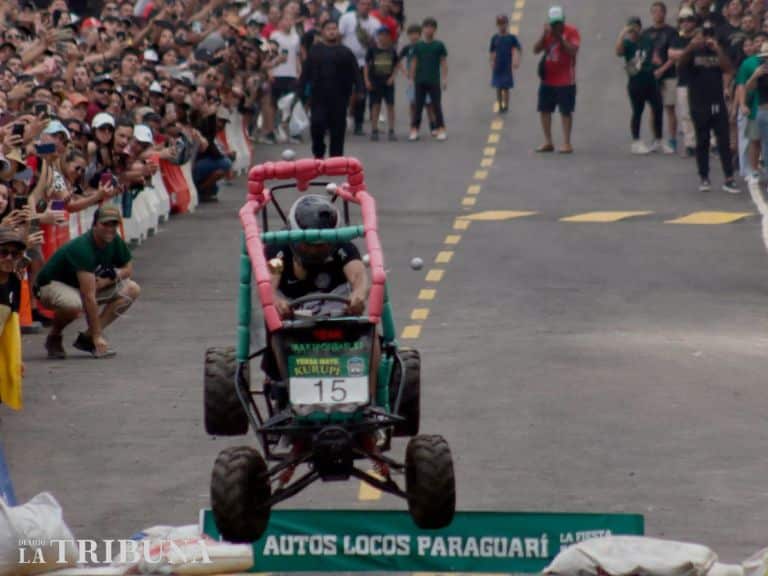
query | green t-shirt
[745, 72]
[82, 255]
[428, 55]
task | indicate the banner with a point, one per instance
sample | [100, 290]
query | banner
[389, 541]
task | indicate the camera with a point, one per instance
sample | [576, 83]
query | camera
[106, 271]
[708, 31]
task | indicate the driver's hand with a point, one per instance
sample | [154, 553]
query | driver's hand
[283, 308]
[356, 305]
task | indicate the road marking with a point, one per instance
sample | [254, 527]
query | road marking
[514, 29]
[474, 189]
[486, 162]
[497, 125]
[517, 16]
[452, 239]
[461, 224]
[496, 215]
[427, 294]
[489, 151]
[494, 138]
[411, 332]
[711, 218]
[495, 107]
[368, 492]
[481, 174]
[604, 216]
[420, 314]
[444, 257]
[435, 275]
[469, 201]
[519, 4]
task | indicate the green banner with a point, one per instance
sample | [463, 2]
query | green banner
[388, 541]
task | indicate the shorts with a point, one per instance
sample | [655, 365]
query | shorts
[58, 295]
[668, 89]
[560, 97]
[282, 85]
[381, 92]
[752, 131]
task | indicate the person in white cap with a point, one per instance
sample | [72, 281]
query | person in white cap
[559, 43]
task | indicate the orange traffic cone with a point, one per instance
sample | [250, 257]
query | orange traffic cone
[28, 325]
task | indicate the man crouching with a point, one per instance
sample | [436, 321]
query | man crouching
[92, 270]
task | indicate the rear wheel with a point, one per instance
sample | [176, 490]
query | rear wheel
[224, 413]
[410, 403]
[239, 489]
[430, 482]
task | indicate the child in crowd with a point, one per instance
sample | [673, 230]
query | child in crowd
[429, 72]
[505, 57]
[405, 57]
[380, 69]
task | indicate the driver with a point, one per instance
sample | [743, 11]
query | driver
[305, 268]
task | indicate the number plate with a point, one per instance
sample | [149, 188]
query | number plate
[329, 391]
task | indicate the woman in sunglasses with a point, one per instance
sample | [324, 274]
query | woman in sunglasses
[83, 195]
[12, 246]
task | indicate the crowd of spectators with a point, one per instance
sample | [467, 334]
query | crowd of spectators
[705, 79]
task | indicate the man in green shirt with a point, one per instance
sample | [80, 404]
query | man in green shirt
[429, 74]
[748, 104]
[90, 271]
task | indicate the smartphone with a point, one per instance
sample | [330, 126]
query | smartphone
[24, 78]
[58, 204]
[56, 17]
[120, 36]
[40, 109]
[18, 130]
[20, 202]
[43, 149]
[106, 178]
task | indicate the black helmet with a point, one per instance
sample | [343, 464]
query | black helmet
[313, 211]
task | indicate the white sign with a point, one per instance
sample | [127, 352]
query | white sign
[329, 391]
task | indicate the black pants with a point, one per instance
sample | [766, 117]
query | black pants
[358, 111]
[331, 119]
[708, 119]
[420, 96]
[641, 92]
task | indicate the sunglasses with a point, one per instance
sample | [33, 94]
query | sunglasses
[106, 127]
[9, 253]
[103, 91]
[110, 224]
[132, 97]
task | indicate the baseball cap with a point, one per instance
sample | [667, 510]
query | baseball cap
[102, 119]
[556, 14]
[101, 78]
[156, 87]
[107, 213]
[143, 134]
[151, 55]
[223, 114]
[56, 127]
[383, 30]
[634, 21]
[686, 12]
[10, 236]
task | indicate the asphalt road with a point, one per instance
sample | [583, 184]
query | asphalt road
[573, 366]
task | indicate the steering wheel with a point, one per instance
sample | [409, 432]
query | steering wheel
[318, 297]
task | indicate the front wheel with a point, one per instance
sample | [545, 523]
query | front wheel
[224, 413]
[239, 489]
[430, 483]
[410, 401]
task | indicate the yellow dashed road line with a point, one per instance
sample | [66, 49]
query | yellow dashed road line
[427, 294]
[367, 492]
[461, 224]
[489, 150]
[420, 314]
[497, 125]
[603, 217]
[435, 275]
[444, 257]
[474, 189]
[411, 332]
[469, 201]
[711, 218]
[494, 138]
[496, 215]
[486, 162]
[452, 239]
[481, 174]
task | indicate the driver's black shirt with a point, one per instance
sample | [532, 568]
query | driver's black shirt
[325, 278]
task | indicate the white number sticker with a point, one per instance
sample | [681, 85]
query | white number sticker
[329, 390]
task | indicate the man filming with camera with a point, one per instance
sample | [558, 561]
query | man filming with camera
[90, 271]
[705, 62]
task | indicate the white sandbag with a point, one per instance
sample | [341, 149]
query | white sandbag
[39, 520]
[757, 564]
[632, 555]
[726, 570]
[299, 120]
[152, 206]
[74, 225]
[182, 550]
[238, 143]
[161, 194]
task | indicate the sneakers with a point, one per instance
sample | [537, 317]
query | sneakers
[84, 343]
[268, 138]
[668, 147]
[639, 147]
[375, 136]
[55, 347]
[441, 135]
[391, 136]
[731, 187]
[359, 131]
[654, 147]
[413, 136]
[704, 185]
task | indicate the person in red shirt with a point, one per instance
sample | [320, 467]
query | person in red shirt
[560, 43]
[384, 15]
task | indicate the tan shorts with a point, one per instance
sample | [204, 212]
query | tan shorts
[668, 88]
[58, 295]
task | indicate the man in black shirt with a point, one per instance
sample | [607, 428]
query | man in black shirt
[705, 10]
[687, 29]
[705, 61]
[328, 77]
[661, 36]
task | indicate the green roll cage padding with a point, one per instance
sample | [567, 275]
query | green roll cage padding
[331, 236]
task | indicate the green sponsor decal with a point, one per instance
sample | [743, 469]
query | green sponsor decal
[388, 541]
[334, 367]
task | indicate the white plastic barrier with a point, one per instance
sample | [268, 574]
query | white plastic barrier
[186, 169]
[74, 225]
[153, 208]
[131, 227]
[161, 195]
[236, 138]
